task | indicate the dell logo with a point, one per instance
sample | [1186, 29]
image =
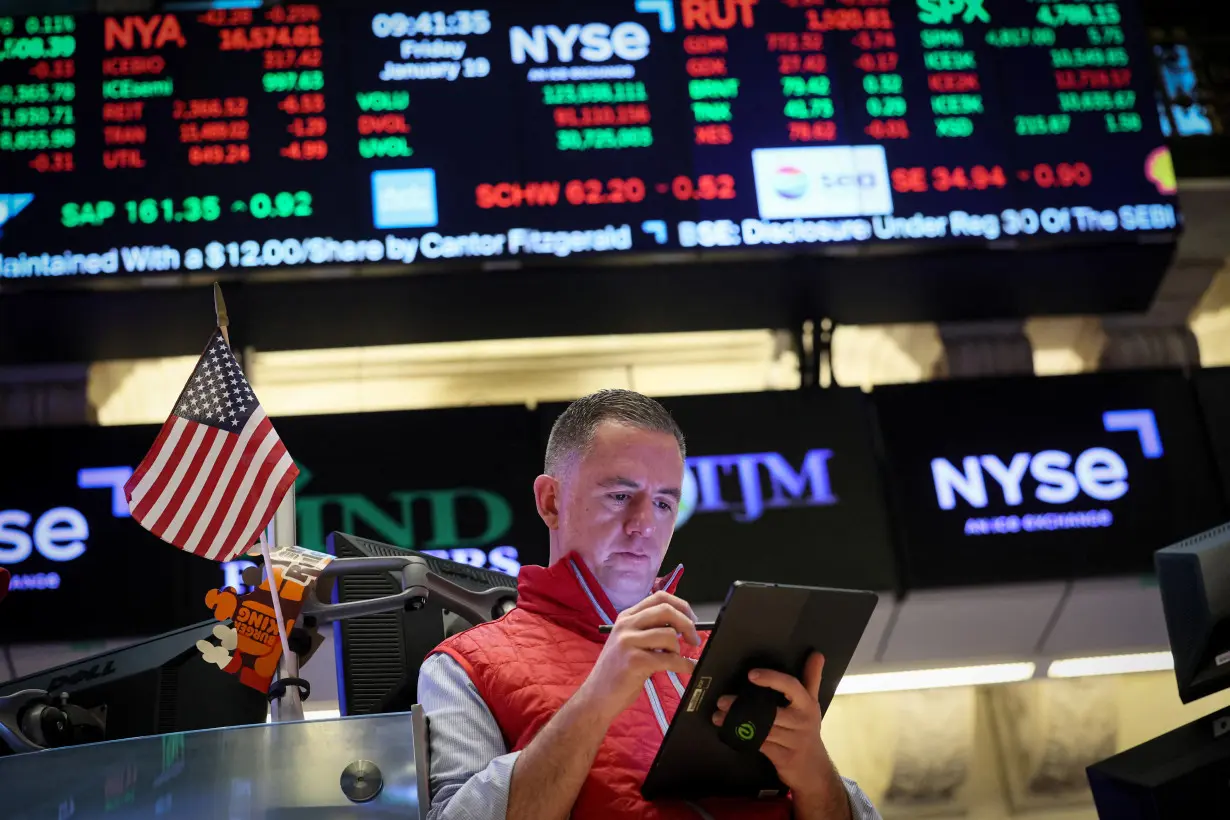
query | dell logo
[98, 670]
[599, 42]
[1098, 472]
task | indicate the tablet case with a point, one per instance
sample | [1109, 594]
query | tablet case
[769, 625]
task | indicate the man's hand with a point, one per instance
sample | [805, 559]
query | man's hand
[644, 639]
[794, 746]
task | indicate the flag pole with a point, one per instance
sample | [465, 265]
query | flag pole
[292, 692]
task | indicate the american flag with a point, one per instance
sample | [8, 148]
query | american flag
[217, 471]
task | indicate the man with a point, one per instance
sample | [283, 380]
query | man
[538, 716]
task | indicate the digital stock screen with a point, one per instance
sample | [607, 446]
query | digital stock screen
[1024, 479]
[300, 134]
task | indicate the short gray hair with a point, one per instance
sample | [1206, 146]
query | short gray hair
[574, 430]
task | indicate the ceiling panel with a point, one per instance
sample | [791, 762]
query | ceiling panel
[1108, 617]
[979, 623]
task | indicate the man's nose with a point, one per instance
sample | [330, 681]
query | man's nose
[640, 517]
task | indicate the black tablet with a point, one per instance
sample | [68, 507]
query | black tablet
[771, 626]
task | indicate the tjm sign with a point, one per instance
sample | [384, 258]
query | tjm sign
[755, 482]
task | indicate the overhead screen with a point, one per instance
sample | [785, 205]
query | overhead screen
[781, 487]
[455, 483]
[256, 139]
[1008, 480]
[81, 568]
[1213, 389]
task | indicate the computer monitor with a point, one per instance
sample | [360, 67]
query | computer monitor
[1194, 578]
[378, 656]
[153, 687]
[1181, 775]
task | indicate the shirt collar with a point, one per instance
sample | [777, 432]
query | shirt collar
[568, 593]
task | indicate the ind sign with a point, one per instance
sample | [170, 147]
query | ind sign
[424, 520]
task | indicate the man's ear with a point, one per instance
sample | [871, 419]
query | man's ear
[546, 497]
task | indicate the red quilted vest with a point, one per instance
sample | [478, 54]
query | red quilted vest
[528, 663]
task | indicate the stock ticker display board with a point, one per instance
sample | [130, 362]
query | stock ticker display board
[300, 134]
[1013, 480]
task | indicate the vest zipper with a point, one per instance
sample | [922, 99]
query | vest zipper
[656, 704]
[679, 687]
[660, 714]
[606, 619]
[704, 814]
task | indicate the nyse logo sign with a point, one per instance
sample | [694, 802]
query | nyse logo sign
[592, 42]
[1097, 473]
[744, 497]
[59, 534]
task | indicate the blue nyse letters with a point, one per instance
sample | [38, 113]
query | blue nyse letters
[1099, 472]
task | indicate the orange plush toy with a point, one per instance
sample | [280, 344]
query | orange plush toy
[254, 635]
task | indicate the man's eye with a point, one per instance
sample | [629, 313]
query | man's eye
[665, 505]
[621, 497]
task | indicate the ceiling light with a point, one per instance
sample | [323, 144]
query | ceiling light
[935, 678]
[315, 714]
[1111, 665]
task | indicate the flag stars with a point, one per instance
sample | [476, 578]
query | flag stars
[218, 393]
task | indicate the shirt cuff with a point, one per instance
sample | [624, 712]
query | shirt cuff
[483, 796]
[860, 803]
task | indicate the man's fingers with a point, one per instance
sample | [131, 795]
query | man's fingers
[813, 673]
[775, 751]
[663, 638]
[666, 662]
[681, 665]
[790, 720]
[785, 723]
[666, 615]
[789, 686]
[660, 598]
[664, 600]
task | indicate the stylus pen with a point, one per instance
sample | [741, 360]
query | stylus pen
[703, 626]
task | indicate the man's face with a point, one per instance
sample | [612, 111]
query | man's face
[617, 506]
